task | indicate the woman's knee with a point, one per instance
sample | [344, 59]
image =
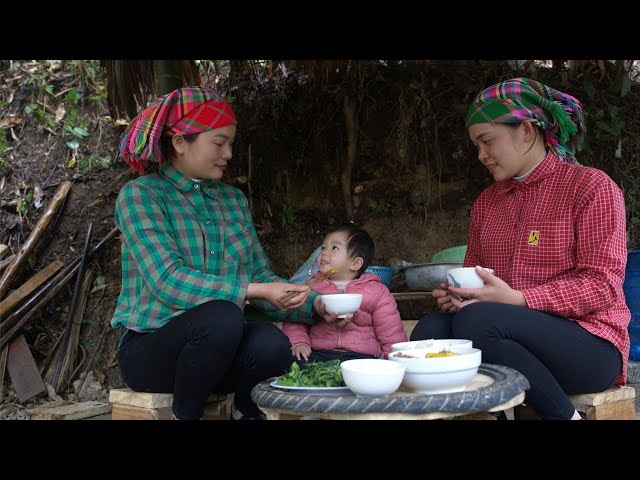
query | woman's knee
[474, 319]
[270, 345]
[217, 319]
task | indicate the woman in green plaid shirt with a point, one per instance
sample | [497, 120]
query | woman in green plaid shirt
[191, 258]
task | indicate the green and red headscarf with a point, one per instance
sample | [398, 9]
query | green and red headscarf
[558, 114]
[184, 111]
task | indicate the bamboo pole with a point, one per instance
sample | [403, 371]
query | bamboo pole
[62, 360]
[56, 380]
[34, 236]
[27, 310]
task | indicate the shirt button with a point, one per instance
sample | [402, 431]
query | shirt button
[212, 252]
[196, 186]
[208, 222]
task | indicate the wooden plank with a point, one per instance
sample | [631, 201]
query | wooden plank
[621, 410]
[476, 416]
[215, 410]
[75, 411]
[613, 394]
[46, 406]
[126, 396]
[23, 370]
[525, 412]
[29, 286]
[398, 296]
[124, 412]
[3, 363]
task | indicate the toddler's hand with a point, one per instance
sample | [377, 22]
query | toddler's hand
[318, 306]
[301, 350]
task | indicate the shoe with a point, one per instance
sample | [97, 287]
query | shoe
[238, 415]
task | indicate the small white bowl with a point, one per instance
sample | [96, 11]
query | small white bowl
[441, 374]
[438, 344]
[372, 377]
[342, 303]
[465, 277]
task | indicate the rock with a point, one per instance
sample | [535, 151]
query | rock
[91, 389]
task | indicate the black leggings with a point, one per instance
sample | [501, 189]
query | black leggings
[326, 355]
[207, 349]
[557, 355]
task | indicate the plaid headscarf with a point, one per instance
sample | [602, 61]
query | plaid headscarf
[558, 114]
[185, 111]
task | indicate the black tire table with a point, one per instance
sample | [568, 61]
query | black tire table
[495, 388]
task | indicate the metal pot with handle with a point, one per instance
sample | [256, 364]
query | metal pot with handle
[424, 277]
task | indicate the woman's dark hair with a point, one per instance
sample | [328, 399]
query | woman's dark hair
[359, 244]
[166, 148]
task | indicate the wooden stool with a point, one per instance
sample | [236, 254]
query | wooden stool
[615, 403]
[129, 405]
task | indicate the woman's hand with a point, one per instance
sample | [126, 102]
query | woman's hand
[301, 350]
[494, 290]
[318, 306]
[444, 299]
[275, 290]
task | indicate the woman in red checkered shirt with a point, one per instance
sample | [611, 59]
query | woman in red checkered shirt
[554, 232]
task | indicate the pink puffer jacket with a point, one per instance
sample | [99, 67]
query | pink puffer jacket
[376, 326]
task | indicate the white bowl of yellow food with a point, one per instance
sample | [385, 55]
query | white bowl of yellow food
[432, 343]
[431, 370]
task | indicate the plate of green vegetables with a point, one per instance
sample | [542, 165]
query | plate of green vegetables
[313, 378]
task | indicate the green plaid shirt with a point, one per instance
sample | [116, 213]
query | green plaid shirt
[185, 243]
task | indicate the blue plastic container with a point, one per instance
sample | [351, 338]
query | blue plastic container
[631, 288]
[385, 273]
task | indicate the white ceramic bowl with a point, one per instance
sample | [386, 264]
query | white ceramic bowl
[342, 303]
[438, 375]
[438, 344]
[465, 277]
[372, 377]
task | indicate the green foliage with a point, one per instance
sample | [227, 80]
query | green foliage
[4, 149]
[39, 78]
[73, 97]
[70, 128]
[23, 206]
[378, 206]
[40, 113]
[288, 215]
[86, 164]
[589, 88]
[90, 74]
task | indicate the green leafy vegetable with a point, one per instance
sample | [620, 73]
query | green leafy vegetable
[313, 374]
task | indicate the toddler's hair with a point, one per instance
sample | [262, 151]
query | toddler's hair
[359, 244]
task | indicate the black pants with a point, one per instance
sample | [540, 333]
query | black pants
[326, 355]
[208, 349]
[557, 355]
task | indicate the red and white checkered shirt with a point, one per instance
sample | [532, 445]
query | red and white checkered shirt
[559, 237]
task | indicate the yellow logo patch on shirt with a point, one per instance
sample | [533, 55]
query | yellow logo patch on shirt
[534, 235]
